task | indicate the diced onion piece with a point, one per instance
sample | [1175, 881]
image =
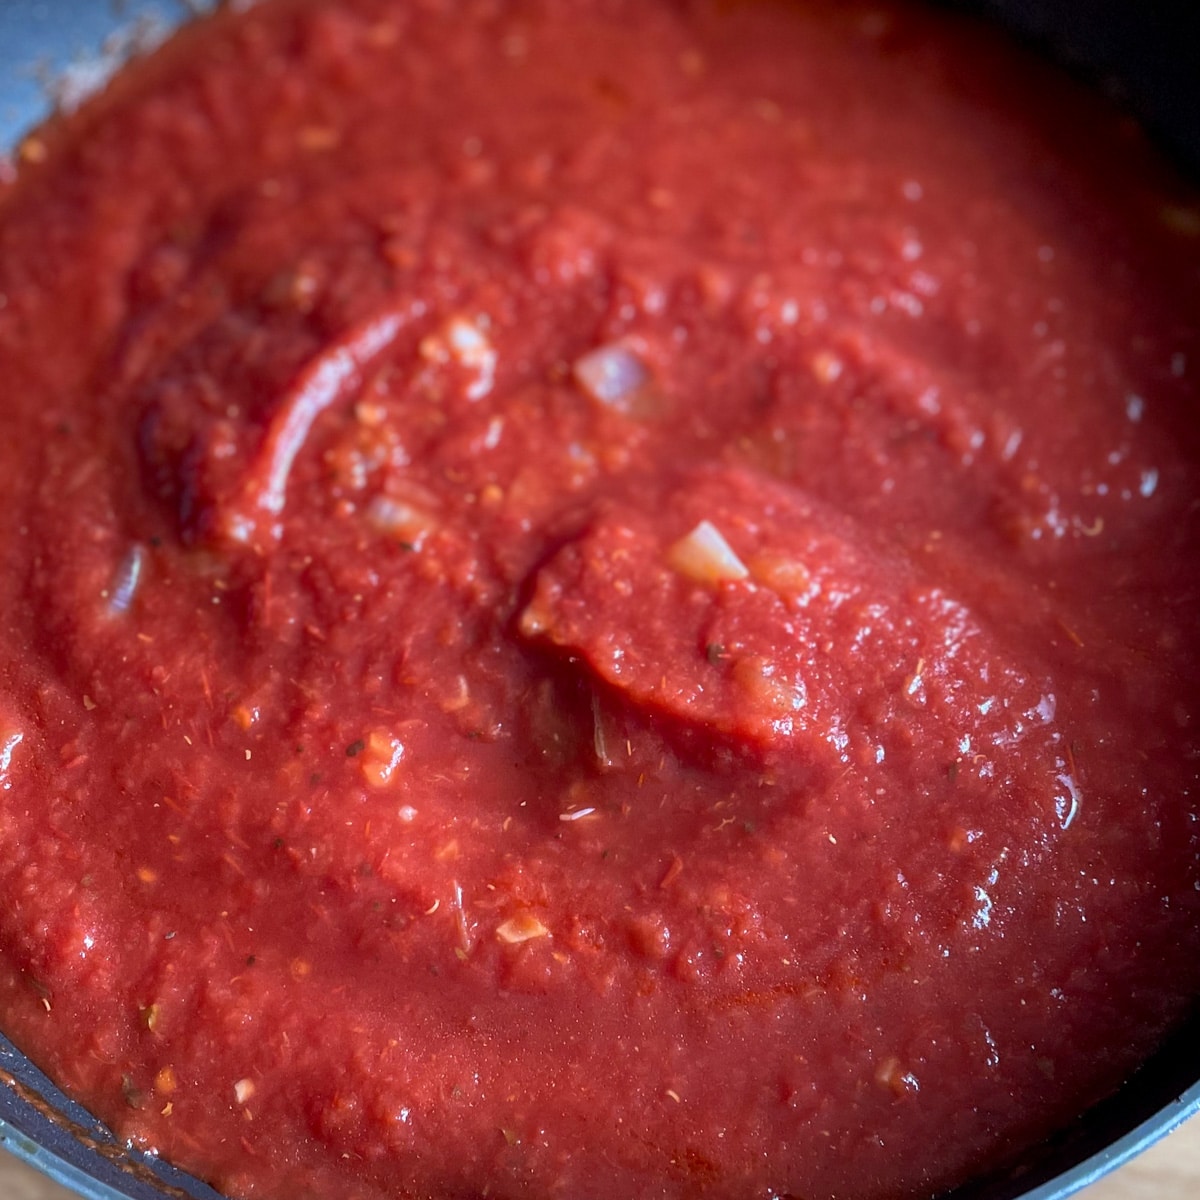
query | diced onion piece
[706, 557]
[612, 375]
[10, 739]
[401, 520]
[125, 581]
[460, 698]
[524, 927]
[599, 739]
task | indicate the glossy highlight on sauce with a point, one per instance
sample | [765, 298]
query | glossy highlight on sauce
[599, 600]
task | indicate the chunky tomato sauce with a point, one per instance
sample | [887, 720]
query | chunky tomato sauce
[598, 598]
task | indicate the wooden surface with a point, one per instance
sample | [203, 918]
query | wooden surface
[1168, 1171]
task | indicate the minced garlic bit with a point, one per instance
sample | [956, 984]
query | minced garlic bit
[706, 557]
[408, 523]
[126, 579]
[889, 1074]
[826, 367]
[243, 1090]
[463, 341]
[524, 927]
[10, 739]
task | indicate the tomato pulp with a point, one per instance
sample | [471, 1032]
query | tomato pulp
[599, 600]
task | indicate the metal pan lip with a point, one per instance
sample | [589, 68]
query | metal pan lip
[58, 39]
[58, 51]
[1121, 1151]
[41, 1126]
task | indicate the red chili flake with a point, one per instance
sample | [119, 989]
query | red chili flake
[673, 872]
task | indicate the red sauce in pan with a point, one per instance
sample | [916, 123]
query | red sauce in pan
[598, 600]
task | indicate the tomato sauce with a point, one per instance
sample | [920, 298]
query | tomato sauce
[599, 600]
